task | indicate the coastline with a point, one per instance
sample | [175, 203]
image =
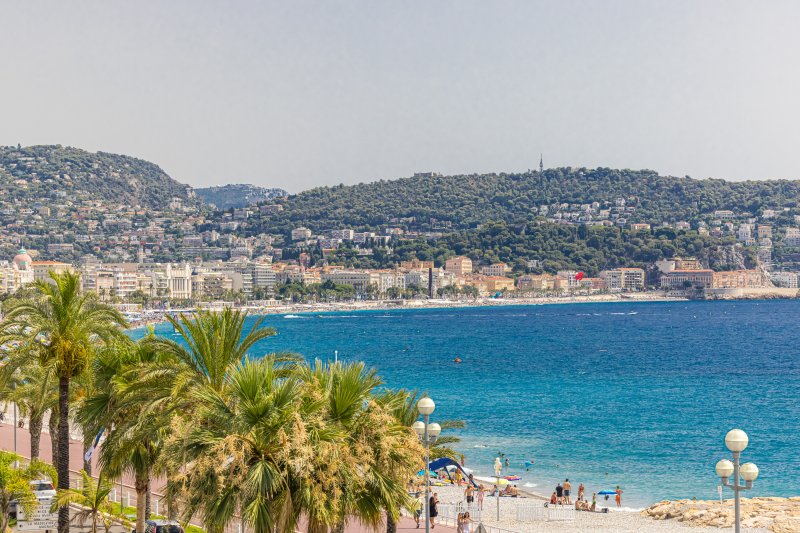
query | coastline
[157, 316]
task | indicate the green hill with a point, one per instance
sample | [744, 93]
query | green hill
[39, 173]
[465, 201]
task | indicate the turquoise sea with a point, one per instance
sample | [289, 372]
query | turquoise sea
[632, 394]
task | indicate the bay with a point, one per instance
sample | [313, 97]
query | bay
[632, 394]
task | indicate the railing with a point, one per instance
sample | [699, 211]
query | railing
[531, 512]
[560, 513]
[483, 528]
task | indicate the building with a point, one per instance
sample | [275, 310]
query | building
[785, 279]
[499, 283]
[416, 264]
[42, 269]
[358, 279]
[541, 282]
[724, 214]
[638, 226]
[682, 279]
[342, 234]
[764, 231]
[570, 277]
[459, 266]
[792, 237]
[497, 269]
[738, 279]
[624, 279]
[301, 234]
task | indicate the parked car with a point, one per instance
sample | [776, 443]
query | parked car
[43, 489]
[161, 526]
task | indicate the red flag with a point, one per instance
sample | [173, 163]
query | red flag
[579, 276]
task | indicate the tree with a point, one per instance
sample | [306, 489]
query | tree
[92, 498]
[35, 391]
[137, 427]
[15, 484]
[60, 328]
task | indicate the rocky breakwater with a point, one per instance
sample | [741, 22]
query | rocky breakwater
[780, 515]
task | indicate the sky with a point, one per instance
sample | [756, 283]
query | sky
[298, 94]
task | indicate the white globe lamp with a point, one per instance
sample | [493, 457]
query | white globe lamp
[724, 469]
[749, 472]
[736, 440]
[425, 406]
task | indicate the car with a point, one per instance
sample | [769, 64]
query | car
[43, 489]
[161, 526]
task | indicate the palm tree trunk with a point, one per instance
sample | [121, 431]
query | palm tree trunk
[35, 429]
[142, 482]
[53, 428]
[391, 525]
[338, 528]
[147, 503]
[63, 449]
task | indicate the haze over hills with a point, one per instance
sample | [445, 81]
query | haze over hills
[237, 195]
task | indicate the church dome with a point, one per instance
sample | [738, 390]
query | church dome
[23, 260]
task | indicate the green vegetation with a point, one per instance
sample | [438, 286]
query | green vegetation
[92, 497]
[59, 328]
[463, 202]
[34, 173]
[262, 440]
[15, 484]
[557, 247]
[238, 195]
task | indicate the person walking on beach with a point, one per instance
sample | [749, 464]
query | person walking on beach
[618, 497]
[481, 495]
[469, 494]
[419, 505]
[594, 502]
[434, 511]
[560, 493]
[466, 523]
[567, 489]
[580, 491]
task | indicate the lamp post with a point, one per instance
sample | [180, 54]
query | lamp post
[736, 440]
[427, 433]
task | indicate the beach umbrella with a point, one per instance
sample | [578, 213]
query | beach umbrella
[501, 481]
[607, 492]
[431, 473]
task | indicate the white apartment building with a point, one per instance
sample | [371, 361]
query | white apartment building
[359, 279]
[624, 279]
[301, 234]
[785, 279]
[792, 237]
[496, 269]
[342, 234]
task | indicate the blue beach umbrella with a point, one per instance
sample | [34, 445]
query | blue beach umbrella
[607, 492]
[431, 473]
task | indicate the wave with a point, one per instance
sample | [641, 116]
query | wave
[616, 313]
[481, 446]
[530, 485]
[292, 316]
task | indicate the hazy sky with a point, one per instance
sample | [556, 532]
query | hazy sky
[296, 94]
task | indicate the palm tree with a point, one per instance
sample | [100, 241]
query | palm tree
[137, 429]
[60, 327]
[92, 499]
[15, 484]
[239, 447]
[34, 390]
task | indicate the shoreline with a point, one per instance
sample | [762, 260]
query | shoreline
[157, 316]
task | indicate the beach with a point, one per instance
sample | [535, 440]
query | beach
[584, 522]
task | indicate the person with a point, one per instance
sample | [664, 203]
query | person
[498, 467]
[594, 502]
[495, 490]
[460, 523]
[481, 496]
[567, 489]
[580, 492]
[434, 512]
[506, 464]
[618, 497]
[469, 494]
[458, 477]
[466, 523]
[553, 499]
[419, 507]
[560, 493]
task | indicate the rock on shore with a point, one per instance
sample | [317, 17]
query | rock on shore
[780, 515]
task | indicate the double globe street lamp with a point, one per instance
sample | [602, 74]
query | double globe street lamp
[427, 434]
[736, 440]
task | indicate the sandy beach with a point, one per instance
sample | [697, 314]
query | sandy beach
[585, 522]
[153, 316]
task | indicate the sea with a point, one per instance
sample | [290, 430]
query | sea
[637, 394]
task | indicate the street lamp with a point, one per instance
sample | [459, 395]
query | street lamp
[427, 433]
[736, 440]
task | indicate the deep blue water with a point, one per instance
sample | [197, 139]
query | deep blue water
[632, 394]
